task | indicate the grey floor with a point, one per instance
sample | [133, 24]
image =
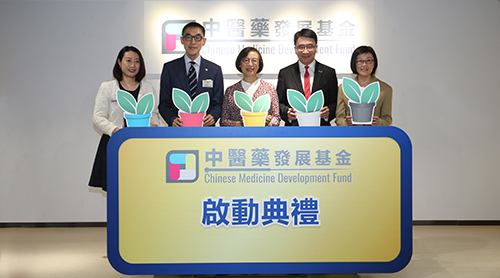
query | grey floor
[438, 251]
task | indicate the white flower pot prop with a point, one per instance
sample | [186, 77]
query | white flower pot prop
[309, 119]
[308, 110]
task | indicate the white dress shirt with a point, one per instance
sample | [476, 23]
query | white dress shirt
[197, 63]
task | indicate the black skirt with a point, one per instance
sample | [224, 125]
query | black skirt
[98, 177]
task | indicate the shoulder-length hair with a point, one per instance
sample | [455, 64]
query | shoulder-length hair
[362, 50]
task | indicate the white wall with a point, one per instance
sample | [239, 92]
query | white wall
[442, 59]
[440, 56]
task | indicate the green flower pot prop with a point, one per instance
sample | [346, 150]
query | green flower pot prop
[253, 113]
[362, 103]
[191, 112]
[308, 111]
[137, 114]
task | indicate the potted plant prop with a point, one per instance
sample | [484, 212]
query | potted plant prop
[307, 110]
[362, 103]
[137, 114]
[191, 112]
[253, 113]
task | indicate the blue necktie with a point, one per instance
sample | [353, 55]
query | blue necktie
[193, 83]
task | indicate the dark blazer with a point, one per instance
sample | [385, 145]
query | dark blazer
[325, 78]
[174, 75]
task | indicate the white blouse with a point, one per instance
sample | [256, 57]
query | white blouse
[250, 88]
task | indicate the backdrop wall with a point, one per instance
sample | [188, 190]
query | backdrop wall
[441, 57]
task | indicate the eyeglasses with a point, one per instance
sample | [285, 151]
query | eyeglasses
[368, 62]
[189, 38]
[248, 61]
[309, 47]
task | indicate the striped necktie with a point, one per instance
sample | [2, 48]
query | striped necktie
[193, 83]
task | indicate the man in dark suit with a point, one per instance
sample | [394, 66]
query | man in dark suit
[192, 74]
[307, 76]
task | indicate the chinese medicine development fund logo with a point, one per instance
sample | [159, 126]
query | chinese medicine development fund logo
[182, 166]
[171, 34]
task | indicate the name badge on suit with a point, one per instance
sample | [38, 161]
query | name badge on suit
[208, 83]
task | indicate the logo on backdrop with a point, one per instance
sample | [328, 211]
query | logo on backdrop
[233, 25]
[171, 34]
[265, 34]
[182, 166]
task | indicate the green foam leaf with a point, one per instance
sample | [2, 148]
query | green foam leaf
[126, 101]
[351, 89]
[297, 100]
[315, 101]
[200, 103]
[181, 100]
[262, 104]
[371, 93]
[243, 101]
[146, 104]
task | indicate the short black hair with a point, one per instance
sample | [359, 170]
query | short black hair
[244, 53]
[193, 24]
[363, 50]
[308, 33]
[117, 71]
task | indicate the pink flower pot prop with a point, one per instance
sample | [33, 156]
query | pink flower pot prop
[192, 119]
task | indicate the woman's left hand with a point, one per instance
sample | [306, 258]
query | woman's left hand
[375, 120]
[348, 120]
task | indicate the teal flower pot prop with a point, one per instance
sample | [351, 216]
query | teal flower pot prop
[253, 113]
[137, 114]
[191, 112]
[361, 103]
[137, 120]
[308, 111]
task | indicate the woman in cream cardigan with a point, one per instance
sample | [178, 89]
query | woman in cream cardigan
[129, 72]
[364, 64]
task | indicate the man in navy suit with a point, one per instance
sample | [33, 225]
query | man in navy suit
[192, 74]
[307, 76]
